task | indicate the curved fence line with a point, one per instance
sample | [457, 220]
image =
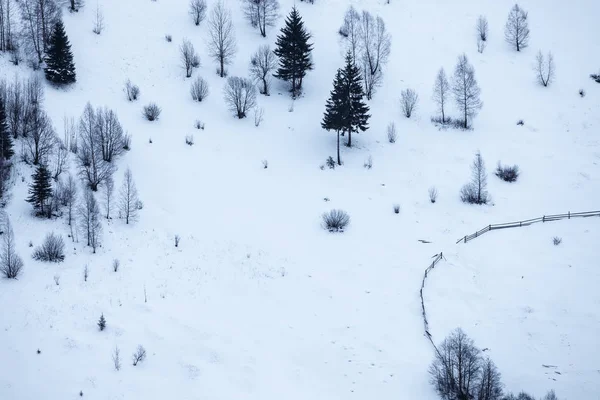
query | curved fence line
[437, 258]
[519, 224]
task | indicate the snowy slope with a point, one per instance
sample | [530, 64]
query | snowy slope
[259, 302]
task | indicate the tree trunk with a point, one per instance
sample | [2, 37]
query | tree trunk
[338, 148]
[222, 63]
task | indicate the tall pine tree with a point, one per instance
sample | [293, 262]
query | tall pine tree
[60, 68]
[40, 190]
[6, 142]
[333, 119]
[345, 110]
[294, 52]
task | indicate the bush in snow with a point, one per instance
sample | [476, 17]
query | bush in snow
[199, 89]
[581, 93]
[168, 38]
[240, 95]
[368, 164]
[139, 355]
[10, 262]
[391, 132]
[189, 57]
[544, 68]
[408, 102]
[595, 77]
[152, 112]
[556, 240]
[52, 250]
[335, 220]
[199, 124]
[330, 162]
[102, 322]
[520, 122]
[507, 173]
[433, 194]
[396, 208]
[132, 91]
[482, 28]
[198, 11]
[189, 140]
[177, 240]
[116, 265]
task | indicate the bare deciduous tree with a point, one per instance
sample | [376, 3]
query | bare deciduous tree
[7, 42]
[352, 32]
[544, 68]
[482, 28]
[475, 192]
[38, 19]
[466, 91]
[69, 200]
[128, 200]
[139, 355]
[89, 216]
[262, 13]
[189, 57]
[109, 187]
[98, 20]
[15, 106]
[117, 359]
[75, 5]
[516, 31]
[60, 159]
[41, 138]
[441, 89]
[198, 11]
[240, 95]
[199, 89]
[93, 167]
[262, 65]
[490, 385]
[221, 44]
[110, 133]
[10, 262]
[132, 91]
[408, 102]
[375, 43]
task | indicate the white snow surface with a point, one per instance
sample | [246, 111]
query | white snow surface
[258, 301]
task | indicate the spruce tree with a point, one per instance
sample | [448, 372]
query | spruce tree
[333, 118]
[6, 142]
[357, 114]
[294, 52]
[60, 68]
[40, 190]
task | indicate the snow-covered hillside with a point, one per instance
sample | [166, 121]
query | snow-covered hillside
[258, 301]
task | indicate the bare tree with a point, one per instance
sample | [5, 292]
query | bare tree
[7, 42]
[41, 138]
[117, 359]
[98, 20]
[110, 134]
[262, 13]
[10, 262]
[15, 106]
[490, 384]
[89, 216]
[139, 355]
[60, 159]
[544, 68]
[198, 11]
[128, 200]
[92, 165]
[109, 188]
[75, 5]
[221, 44]
[262, 64]
[482, 28]
[70, 134]
[408, 101]
[189, 57]
[375, 45]
[38, 19]
[352, 32]
[69, 199]
[199, 89]
[475, 192]
[456, 367]
[466, 91]
[516, 31]
[240, 95]
[441, 90]
[132, 91]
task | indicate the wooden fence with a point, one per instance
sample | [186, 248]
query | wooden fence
[437, 258]
[518, 224]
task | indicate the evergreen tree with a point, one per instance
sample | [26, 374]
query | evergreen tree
[6, 143]
[294, 52]
[60, 68]
[333, 119]
[40, 190]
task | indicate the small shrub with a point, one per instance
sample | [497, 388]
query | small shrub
[117, 359]
[433, 194]
[556, 240]
[335, 220]
[259, 114]
[520, 122]
[127, 142]
[507, 173]
[199, 89]
[189, 140]
[102, 322]
[596, 77]
[408, 102]
[391, 132]
[86, 273]
[52, 250]
[343, 31]
[368, 164]
[581, 92]
[139, 355]
[57, 280]
[168, 38]
[152, 112]
[330, 162]
[265, 164]
[396, 208]
[116, 265]
[199, 124]
[468, 194]
[132, 91]
[177, 239]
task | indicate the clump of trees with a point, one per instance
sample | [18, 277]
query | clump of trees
[262, 65]
[544, 68]
[408, 102]
[294, 52]
[261, 14]
[198, 11]
[11, 263]
[189, 57]
[240, 95]
[199, 89]
[89, 220]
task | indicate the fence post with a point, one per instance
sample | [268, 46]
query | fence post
[520, 224]
[544, 218]
[569, 214]
[465, 239]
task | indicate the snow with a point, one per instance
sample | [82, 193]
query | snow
[258, 301]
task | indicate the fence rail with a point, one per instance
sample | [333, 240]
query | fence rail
[437, 258]
[519, 224]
